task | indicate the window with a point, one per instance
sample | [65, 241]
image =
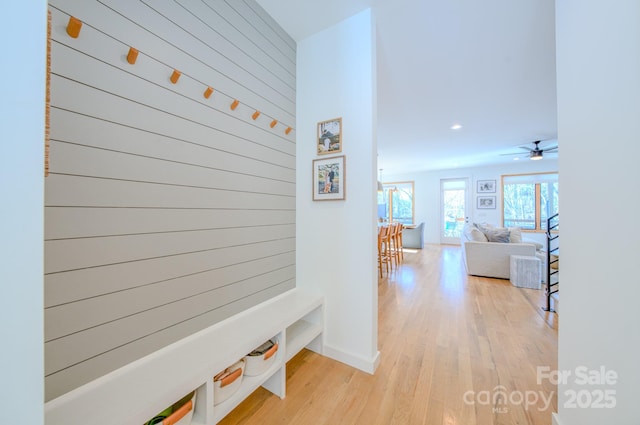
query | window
[395, 203]
[529, 199]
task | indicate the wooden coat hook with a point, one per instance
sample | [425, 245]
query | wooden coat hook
[73, 27]
[132, 56]
[175, 76]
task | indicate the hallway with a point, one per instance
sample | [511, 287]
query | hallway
[455, 349]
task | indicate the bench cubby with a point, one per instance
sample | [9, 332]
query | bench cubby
[137, 391]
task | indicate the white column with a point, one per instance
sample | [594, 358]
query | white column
[336, 245]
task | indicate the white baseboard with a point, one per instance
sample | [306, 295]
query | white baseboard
[361, 363]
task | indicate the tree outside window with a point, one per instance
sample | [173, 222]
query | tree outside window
[395, 203]
[529, 199]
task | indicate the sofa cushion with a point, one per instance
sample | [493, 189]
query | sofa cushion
[515, 234]
[483, 227]
[472, 233]
[498, 235]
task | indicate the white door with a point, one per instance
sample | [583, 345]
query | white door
[454, 204]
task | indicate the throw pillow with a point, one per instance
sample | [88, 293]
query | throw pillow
[515, 235]
[483, 227]
[473, 234]
[498, 235]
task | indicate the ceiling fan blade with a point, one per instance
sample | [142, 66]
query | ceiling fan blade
[514, 153]
[526, 148]
[550, 148]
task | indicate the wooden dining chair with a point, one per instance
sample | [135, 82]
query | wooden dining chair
[384, 242]
[399, 242]
[394, 251]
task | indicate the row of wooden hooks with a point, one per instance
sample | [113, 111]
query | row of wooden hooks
[73, 30]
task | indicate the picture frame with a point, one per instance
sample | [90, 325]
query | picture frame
[486, 202]
[486, 186]
[329, 139]
[329, 179]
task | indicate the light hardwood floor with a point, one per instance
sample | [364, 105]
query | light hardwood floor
[455, 350]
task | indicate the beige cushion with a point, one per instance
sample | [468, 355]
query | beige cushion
[515, 235]
[474, 234]
[483, 227]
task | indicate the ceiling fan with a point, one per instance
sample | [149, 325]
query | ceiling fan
[537, 152]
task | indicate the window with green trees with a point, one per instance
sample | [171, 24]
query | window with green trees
[529, 199]
[395, 203]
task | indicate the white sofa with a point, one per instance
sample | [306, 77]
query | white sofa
[491, 259]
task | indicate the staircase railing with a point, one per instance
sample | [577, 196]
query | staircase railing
[553, 257]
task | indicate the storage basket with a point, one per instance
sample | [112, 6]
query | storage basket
[227, 382]
[178, 414]
[260, 359]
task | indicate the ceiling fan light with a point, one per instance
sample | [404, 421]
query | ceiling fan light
[535, 155]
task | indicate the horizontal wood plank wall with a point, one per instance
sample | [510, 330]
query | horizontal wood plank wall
[166, 211]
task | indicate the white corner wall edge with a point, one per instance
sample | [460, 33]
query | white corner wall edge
[359, 362]
[347, 91]
[22, 227]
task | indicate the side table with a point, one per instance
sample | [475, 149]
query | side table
[525, 271]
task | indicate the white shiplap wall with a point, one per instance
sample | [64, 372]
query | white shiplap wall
[165, 211]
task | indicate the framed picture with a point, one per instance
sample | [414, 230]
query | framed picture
[329, 179]
[330, 136]
[486, 202]
[486, 186]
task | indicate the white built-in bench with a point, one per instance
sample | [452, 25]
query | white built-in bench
[136, 392]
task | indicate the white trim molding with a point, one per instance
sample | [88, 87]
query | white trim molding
[365, 365]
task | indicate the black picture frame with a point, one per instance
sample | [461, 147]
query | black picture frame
[486, 202]
[486, 186]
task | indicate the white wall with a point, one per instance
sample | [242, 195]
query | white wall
[598, 60]
[336, 239]
[22, 97]
[427, 192]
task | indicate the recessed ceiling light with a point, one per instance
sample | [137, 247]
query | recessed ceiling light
[516, 159]
[456, 127]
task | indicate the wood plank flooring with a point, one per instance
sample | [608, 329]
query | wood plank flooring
[455, 350]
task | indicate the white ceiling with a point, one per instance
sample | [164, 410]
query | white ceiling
[488, 65]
